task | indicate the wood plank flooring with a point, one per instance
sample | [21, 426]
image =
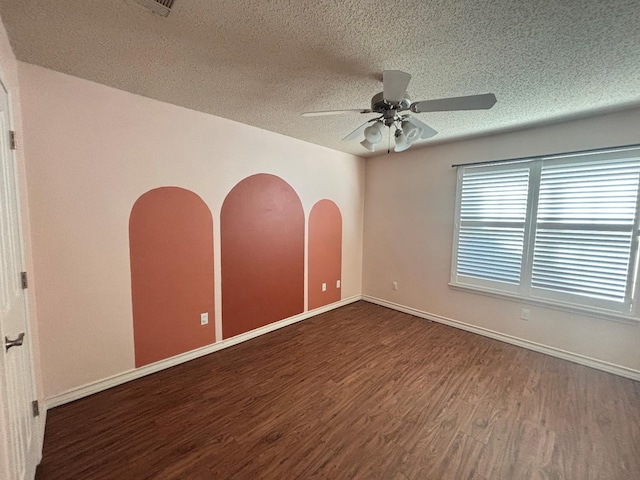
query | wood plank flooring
[361, 392]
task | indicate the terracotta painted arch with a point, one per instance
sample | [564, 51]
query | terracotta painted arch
[171, 250]
[262, 254]
[325, 254]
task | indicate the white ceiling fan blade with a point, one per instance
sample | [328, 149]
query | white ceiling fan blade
[470, 102]
[336, 112]
[358, 131]
[427, 131]
[394, 84]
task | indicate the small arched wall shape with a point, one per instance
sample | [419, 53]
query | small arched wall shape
[262, 254]
[171, 251]
[325, 254]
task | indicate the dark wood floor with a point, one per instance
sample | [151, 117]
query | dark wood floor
[360, 392]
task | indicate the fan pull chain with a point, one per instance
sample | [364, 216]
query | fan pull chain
[389, 142]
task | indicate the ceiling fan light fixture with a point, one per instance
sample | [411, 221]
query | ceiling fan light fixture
[373, 133]
[368, 145]
[411, 132]
[401, 142]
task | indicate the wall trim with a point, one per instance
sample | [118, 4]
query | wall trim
[520, 342]
[135, 373]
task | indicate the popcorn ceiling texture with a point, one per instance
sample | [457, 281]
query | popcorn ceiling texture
[263, 63]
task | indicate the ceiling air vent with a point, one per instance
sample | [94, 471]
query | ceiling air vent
[161, 7]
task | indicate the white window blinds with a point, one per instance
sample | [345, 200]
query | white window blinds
[585, 227]
[493, 210]
[562, 228]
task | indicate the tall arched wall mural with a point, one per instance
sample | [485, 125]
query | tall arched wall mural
[262, 241]
[171, 250]
[325, 254]
[262, 254]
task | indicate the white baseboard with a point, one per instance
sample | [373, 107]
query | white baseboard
[520, 342]
[127, 376]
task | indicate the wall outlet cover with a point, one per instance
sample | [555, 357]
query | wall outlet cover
[204, 318]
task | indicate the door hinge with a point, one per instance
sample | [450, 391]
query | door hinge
[23, 280]
[12, 140]
[35, 408]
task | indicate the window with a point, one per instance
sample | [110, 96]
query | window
[560, 229]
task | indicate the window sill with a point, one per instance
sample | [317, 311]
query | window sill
[565, 307]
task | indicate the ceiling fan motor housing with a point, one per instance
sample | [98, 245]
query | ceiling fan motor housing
[388, 109]
[380, 105]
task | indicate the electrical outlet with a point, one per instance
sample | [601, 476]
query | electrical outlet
[525, 314]
[324, 287]
[204, 318]
[338, 284]
[394, 285]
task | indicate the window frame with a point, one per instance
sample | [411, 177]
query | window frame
[524, 291]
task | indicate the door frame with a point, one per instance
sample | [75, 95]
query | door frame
[35, 451]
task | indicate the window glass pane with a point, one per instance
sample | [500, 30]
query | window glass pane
[593, 264]
[495, 195]
[584, 232]
[491, 253]
[603, 192]
[493, 208]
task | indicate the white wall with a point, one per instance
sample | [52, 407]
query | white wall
[92, 151]
[409, 211]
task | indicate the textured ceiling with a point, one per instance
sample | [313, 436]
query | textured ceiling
[264, 62]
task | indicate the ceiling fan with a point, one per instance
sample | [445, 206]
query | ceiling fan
[392, 101]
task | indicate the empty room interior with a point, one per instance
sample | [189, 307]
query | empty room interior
[340, 240]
